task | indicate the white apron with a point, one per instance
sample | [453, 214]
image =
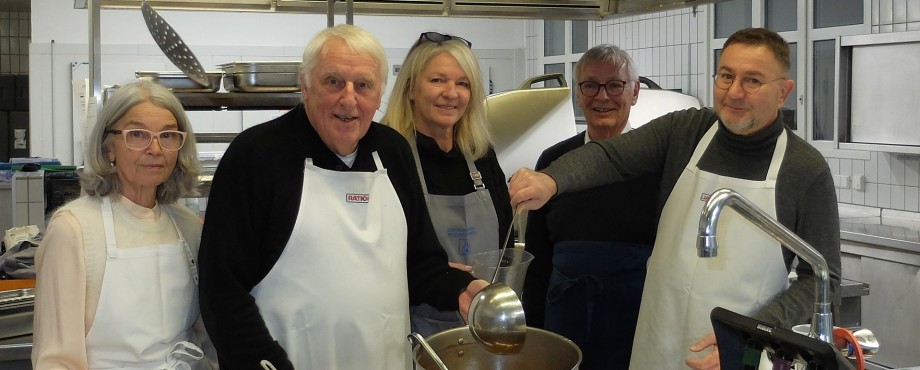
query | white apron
[337, 298]
[681, 289]
[465, 225]
[147, 306]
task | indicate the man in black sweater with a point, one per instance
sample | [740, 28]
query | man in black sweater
[317, 237]
[740, 144]
[590, 247]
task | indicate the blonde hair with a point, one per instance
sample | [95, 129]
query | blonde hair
[471, 135]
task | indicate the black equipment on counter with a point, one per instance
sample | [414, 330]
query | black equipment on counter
[742, 339]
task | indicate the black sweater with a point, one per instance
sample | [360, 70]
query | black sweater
[252, 206]
[624, 212]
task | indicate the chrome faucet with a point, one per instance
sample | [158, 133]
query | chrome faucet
[822, 319]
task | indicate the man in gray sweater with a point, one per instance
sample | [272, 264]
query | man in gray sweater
[739, 144]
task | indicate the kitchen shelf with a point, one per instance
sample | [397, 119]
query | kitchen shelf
[238, 101]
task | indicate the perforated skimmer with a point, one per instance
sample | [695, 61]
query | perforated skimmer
[173, 46]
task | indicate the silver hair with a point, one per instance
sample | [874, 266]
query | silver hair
[607, 53]
[357, 38]
[100, 178]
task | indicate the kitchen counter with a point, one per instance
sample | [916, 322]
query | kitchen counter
[882, 248]
[896, 237]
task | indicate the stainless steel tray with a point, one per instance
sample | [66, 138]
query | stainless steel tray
[179, 82]
[16, 312]
[261, 67]
[261, 82]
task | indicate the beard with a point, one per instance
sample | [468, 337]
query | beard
[738, 127]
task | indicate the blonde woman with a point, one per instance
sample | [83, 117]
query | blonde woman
[437, 103]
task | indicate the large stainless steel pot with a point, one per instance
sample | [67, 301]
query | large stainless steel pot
[543, 350]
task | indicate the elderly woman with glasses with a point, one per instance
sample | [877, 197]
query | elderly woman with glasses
[117, 281]
[438, 105]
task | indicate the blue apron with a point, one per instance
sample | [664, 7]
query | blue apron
[593, 298]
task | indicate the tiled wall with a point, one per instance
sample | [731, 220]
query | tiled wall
[668, 47]
[895, 15]
[891, 179]
[14, 38]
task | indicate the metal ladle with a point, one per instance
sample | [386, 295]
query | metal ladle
[496, 316]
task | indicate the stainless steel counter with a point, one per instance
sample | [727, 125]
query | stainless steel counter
[895, 237]
[875, 251]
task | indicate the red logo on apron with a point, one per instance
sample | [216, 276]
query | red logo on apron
[357, 198]
[704, 197]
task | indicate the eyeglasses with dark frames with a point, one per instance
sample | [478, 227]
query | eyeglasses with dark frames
[750, 85]
[438, 38]
[591, 88]
[140, 139]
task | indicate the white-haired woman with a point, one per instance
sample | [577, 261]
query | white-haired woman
[117, 273]
[437, 104]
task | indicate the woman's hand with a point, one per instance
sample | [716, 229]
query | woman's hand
[461, 267]
[466, 297]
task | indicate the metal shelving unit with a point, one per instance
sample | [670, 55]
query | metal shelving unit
[238, 101]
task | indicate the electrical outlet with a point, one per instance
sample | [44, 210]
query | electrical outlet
[841, 182]
[859, 182]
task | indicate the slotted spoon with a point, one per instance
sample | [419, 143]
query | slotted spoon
[173, 46]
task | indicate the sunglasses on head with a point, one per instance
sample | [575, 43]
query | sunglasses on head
[440, 37]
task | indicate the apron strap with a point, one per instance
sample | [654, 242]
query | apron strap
[192, 264]
[777, 160]
[475, 175]
[378, 162]
[108, 221]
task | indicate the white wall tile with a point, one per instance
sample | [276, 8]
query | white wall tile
[884, 168]
[911, 198]
[897, 170]
[884, 12]
[673, 24]
[899, 11]
[844, 195]
[871, 195]
[897, 197]
[884, 195]
[846, 167]
[859, 168]
[858, 197]
[913, 11]
[872, 167]
[913, 26]
[834, 165]
[874, 15]
[899, 27]
[885, 28]
[912, 171]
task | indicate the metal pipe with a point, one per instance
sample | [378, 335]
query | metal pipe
[707, 246]
[95, 55]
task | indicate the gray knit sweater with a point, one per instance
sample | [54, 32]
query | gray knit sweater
[805, 202]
